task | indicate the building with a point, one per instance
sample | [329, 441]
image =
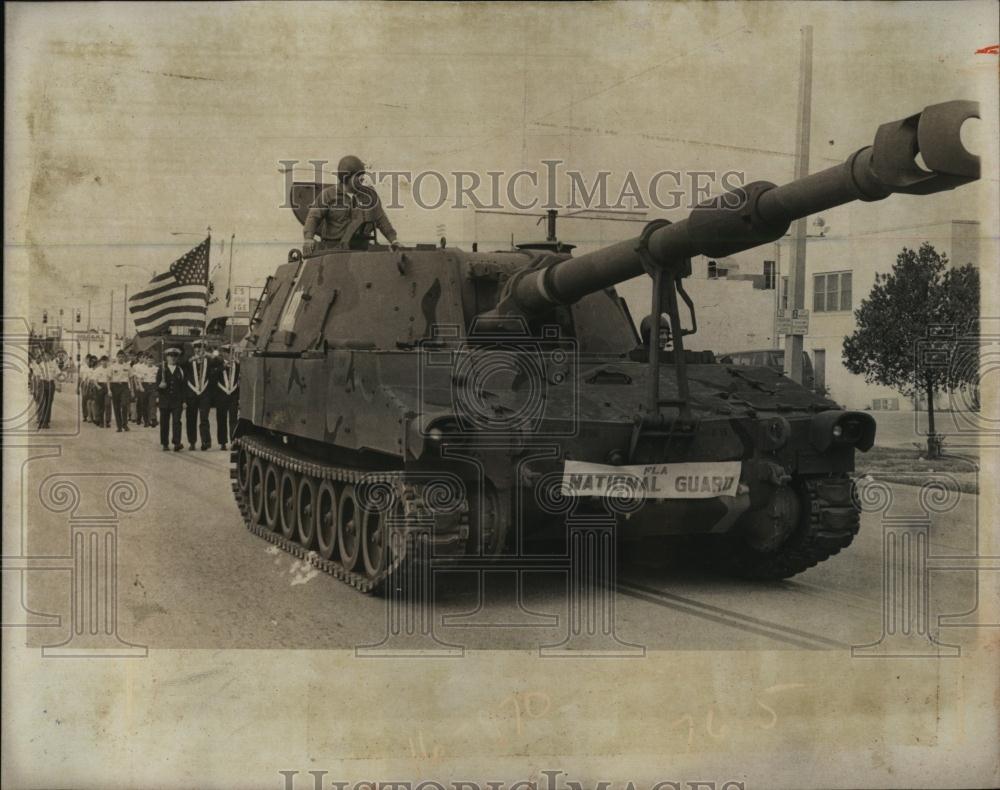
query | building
[840, 273]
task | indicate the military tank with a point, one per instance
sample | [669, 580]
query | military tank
[459, 400]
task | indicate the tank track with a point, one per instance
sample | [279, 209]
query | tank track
[286, 459]
[830, 527]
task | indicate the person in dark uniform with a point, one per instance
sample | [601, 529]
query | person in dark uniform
[45, 372]
[199, 374]
[226, 386]
[344, 213]
[170, 382]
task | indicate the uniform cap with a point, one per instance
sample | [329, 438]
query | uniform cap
[172, 352]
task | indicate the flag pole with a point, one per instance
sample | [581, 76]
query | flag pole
[229, 294]
[208, 268]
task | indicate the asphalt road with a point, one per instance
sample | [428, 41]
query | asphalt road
[189, 575]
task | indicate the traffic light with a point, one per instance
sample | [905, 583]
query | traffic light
[78, 316]
[45, 316]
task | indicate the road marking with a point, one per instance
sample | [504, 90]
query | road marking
[767, 628]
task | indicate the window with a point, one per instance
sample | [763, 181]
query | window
[768, 275]
[832, 292]
[784, 293]
[713, 270]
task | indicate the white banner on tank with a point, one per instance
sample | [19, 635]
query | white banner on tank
[652, 481]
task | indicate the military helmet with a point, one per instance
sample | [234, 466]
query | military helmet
[349, 165]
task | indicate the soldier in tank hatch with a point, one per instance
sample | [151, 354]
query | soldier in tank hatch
[344, 213]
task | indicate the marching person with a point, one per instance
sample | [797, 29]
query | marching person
[227, 395]
[82, 385]
[146, 378]
[118, 376]
[102, 392]
[344, 213]
[169, 384]
[33, 366]
[45, 372]
[200, 371]
[92, 390]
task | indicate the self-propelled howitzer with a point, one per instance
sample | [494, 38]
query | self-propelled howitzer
[468, 398]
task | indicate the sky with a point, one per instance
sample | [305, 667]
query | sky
[130, 129]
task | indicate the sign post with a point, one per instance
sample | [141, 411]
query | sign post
[793, 322]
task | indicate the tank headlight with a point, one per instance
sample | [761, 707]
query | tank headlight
[842, 428]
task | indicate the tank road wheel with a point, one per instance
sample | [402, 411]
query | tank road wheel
[327, 508]
[797, 529]
[349, 528]
[272, 476]
[255, 482]
[374, 541]
[288, 490]
[305, 511]
[243, 463]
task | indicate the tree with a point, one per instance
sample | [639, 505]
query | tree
[917, 329]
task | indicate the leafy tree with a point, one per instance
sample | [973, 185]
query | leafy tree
[916, 330]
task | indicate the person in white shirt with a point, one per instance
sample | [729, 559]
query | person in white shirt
[102, 393]
[147, 389]
[119, 374]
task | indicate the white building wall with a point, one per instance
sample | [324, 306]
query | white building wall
[732, 314]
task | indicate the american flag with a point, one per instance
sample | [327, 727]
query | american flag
[178, 297]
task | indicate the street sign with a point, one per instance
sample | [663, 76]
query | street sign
[793, 322]
[240, 301]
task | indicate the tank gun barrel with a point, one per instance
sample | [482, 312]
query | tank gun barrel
[761, 212]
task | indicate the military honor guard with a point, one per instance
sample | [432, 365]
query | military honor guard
[199, 374]
[170, 387]
[226, 394]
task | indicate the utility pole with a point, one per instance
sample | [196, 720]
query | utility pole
[777, 291]
[88, 327]
[797, 267]
[125, 314]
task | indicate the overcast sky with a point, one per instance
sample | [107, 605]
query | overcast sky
[126, 124]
